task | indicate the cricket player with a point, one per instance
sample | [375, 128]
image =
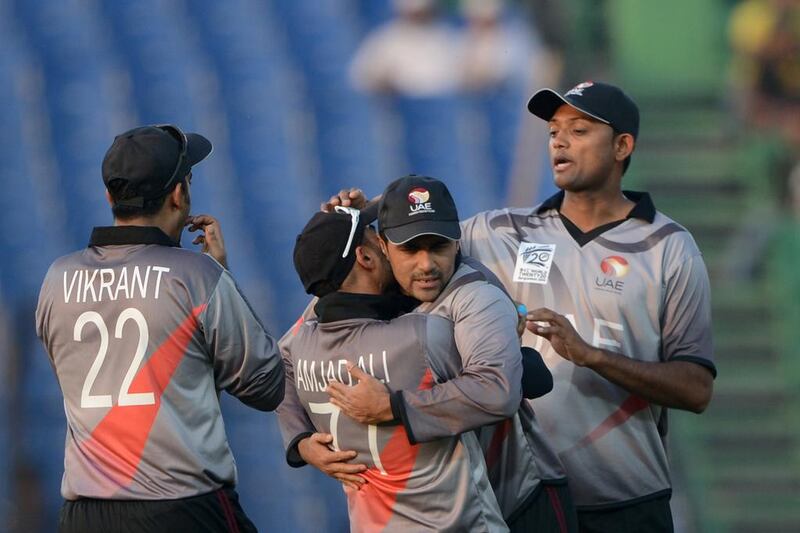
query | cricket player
[143, 335]
[624, 312]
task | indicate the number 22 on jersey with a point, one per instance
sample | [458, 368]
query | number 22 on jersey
[88, 400]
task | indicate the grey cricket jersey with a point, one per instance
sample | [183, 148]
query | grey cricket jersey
[484, 318]
[143, 335]
[640, 289]
[439, 485]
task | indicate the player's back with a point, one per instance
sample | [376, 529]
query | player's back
[130, 331]
[435, 486]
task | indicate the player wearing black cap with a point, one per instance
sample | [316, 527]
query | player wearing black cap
[142, 336]
[624, 310]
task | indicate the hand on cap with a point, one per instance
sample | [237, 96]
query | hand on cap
[211, 238]
[345, 198]
[366, 402]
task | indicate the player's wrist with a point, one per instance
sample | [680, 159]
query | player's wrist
[592, 357]
[385, 413]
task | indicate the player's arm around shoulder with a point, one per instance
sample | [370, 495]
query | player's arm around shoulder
[244, 355]
[485, 328]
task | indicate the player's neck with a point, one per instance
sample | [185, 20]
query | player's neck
[591, 209]
[165, 224]
[360, 283]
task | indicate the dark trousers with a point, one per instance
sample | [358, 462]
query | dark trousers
[550, 511]
[651, 516]
[215, 512]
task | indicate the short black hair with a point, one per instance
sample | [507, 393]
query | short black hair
[118, 190]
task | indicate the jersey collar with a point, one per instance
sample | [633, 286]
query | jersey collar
[114, 235]
[644, 208]
[345, 306]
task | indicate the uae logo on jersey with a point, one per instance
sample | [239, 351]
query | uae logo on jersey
[614, 267]
[418, 198]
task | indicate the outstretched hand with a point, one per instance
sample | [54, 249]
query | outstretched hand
[211, 237]
[366, 402]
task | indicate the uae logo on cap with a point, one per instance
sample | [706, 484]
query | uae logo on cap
[578, 89]
[614, 266]
[418, 195]
[419, 198]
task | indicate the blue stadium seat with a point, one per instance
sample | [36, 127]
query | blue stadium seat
[26, 252]
[323, 38]
[83, 100]
[264, 117]
[440, 142]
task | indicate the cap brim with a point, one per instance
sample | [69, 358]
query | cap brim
[197, 148]
[407, 232]
[545, 102]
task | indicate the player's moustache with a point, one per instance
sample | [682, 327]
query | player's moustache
[427, 276]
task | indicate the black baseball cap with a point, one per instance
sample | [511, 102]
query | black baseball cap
[150, 160]
[601, 101]
[325, 251]
[413, 205]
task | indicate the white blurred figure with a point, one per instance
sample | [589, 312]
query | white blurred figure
[495, 50]
[414, 55]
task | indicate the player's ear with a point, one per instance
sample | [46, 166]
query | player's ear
[109, 199]
[384, 248]
[623, 146]
[177, 196]
[364, 257]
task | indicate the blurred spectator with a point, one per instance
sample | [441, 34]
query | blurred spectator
[765, 37]
[415, 54]
[495, 50]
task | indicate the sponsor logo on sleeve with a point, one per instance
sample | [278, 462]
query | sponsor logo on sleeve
[534, 261]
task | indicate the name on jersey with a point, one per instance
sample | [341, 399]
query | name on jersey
[110, 284]
[534, 261]
[314, 375]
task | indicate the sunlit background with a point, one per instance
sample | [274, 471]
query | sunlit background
[304, 97]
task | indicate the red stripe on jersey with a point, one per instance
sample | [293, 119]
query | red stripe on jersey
[632, 405]
[117, 442]
[296, 326]
[377, 497]
[495, 449]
